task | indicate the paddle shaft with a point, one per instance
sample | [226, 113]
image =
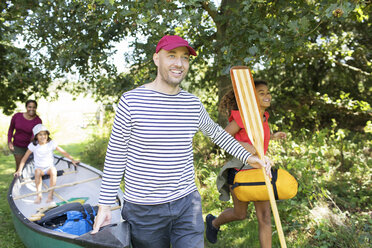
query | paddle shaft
[54, 192]
[30, 180]
[57, 187]
[245, 95]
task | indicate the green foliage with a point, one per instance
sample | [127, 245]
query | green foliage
[20, 75]
[4, 150]
[306, 49]
[95, 150]
[331, 209]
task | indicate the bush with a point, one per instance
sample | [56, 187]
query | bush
[95, 150]
[333, 168]
[332, 206]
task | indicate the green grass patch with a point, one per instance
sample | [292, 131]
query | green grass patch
[8, 237]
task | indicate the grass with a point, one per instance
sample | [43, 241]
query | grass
[9, 237]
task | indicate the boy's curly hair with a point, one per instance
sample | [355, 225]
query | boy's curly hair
[228, 101]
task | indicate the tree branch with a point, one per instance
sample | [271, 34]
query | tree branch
[353, 68]
[212, 13]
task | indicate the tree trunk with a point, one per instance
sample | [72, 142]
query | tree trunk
[223, 80]
[224, 85]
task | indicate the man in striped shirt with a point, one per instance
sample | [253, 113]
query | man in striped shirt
[151, 141]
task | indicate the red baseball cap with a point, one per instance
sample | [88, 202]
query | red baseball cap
[169, 42]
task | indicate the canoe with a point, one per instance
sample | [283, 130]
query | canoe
[80, 184]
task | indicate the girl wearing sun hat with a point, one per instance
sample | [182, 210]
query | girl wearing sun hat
[42, 147]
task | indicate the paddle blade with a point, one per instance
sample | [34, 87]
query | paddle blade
[245, 94]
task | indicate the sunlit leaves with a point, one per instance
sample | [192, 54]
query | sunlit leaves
[301, 44]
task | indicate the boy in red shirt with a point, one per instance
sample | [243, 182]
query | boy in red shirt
[226, 176]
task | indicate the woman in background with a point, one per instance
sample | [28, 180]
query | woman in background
[20, 130]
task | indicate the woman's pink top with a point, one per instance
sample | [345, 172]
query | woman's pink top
[242, 134]
[23, 130]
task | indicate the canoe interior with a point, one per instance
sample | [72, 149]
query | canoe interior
[84, 181]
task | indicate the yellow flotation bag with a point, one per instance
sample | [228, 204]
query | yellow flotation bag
[249, 185]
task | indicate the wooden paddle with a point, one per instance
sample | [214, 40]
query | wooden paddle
[245, 94]
[59, 173]
[57, 187]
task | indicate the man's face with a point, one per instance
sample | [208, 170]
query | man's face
[172, 65]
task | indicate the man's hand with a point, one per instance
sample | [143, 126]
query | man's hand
[268, 167]
[103, 218]
[255, 162]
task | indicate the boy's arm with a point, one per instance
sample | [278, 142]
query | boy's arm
[233, 128]
[22, 164]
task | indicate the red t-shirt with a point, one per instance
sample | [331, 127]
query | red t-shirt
[242, 134]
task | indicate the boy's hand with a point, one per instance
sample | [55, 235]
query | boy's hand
[279, 135]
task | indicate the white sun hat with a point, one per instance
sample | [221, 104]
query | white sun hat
[38, 128]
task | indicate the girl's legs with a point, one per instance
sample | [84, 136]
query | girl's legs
[38, 174]
[239, 212]
[263, 213]
[52, 172]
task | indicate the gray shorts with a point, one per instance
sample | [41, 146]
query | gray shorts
[179, 223]
[19, 150]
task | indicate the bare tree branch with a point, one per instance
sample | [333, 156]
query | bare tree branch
[353, 68]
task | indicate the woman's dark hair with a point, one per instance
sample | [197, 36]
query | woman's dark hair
[34, 141]
[30, 101]
[228, 101]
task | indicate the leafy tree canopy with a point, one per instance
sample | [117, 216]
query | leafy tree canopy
[20, 75]
[308, 50]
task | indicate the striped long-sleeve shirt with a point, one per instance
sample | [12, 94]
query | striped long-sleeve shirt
[151, 140]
